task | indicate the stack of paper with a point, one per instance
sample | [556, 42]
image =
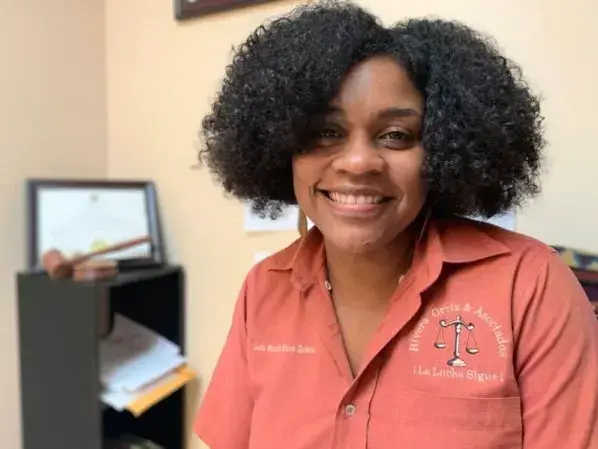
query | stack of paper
[138, 366]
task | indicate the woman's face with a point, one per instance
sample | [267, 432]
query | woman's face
[361, 184]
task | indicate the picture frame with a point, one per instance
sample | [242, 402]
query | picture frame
[76, 216]
[189, 9]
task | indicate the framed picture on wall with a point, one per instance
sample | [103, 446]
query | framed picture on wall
[79, 216]
[188, 9]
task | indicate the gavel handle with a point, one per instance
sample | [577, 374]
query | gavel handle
[110, 249]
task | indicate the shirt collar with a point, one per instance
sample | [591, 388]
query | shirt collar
[452, 241]
[463, 240]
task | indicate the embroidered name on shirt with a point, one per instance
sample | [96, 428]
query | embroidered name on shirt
[283, 348]
[456, 374]
[496, 330]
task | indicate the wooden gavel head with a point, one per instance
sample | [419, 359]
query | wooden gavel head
[56, 265]
[60, 267]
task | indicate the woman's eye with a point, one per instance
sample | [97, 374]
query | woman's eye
[329, 134]
[395, 135]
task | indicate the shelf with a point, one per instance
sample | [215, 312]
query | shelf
[60, 325]
[124, 277]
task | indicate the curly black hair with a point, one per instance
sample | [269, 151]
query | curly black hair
[482, 132]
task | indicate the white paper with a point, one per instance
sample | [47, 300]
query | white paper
[287, 221]
[119, 400]
[79, 221]
[506, 221]
[261, 255]
[133, 356]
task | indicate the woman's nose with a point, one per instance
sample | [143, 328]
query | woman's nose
[359, 156]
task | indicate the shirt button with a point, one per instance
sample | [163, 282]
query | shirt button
[350, 409]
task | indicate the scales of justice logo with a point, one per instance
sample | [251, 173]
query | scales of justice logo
[458, 326]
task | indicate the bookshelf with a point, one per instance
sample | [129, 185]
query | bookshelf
[61, 323]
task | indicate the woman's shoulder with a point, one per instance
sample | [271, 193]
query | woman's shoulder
[273, 271]
[279, 260]
[517, 244]
[270, 294]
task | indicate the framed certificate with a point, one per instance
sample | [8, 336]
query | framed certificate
[187, 9]
[78, 216]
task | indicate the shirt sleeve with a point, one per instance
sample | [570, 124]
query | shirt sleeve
[224, 417]
[556, 361]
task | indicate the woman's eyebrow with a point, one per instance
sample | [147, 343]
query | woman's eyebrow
[389, 113]
[396, 112]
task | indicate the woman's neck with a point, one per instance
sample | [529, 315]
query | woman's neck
[372, 276]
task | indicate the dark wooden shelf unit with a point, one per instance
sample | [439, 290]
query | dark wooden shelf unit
[60, 326]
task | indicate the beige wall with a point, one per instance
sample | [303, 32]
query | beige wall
[52, 123]
[160, 76]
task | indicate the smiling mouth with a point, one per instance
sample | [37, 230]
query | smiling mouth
[356, 200]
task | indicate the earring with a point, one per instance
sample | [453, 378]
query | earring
[302, 225]
[424, 225]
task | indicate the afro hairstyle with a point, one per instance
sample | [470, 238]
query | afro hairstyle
[482, 132]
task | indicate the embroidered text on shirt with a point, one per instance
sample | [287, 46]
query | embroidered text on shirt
[283, 348]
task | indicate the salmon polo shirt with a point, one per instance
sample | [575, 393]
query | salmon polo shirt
[488, 343]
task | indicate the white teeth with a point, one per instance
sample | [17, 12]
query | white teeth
[354, 199]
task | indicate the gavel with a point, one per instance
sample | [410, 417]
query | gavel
[60, 267]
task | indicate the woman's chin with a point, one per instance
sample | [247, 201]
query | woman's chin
[355, 241]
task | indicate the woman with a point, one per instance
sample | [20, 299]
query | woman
[396, 322]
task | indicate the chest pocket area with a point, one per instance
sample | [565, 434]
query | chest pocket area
[413, 419]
